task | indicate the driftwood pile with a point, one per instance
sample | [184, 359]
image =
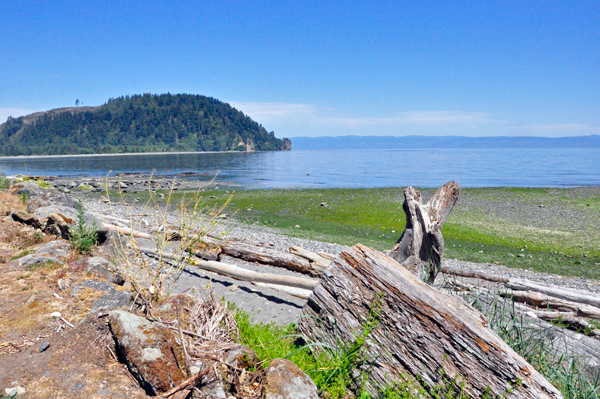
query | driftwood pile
[422, 329]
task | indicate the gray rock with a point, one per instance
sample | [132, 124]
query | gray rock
[285, 380]
[28, 188]
[241, 357]
[58, 248]
[93, 284]
[43, 347]
[113, 299]
[49, 198]
[99, 266]
[70, 217]
[25, 218]
[150, 350]
[36, 259]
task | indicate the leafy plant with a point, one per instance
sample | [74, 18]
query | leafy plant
[83, 236]
[4, 181]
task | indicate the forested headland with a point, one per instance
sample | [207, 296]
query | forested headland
[138, 123]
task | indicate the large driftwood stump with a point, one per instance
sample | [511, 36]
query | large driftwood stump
[421, 331]
[421, 245]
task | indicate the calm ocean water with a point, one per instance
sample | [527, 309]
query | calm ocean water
[346, 168]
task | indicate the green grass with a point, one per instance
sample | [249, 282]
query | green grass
[565, 240]
[21, 254]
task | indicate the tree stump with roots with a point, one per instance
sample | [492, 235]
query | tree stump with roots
[420, 248]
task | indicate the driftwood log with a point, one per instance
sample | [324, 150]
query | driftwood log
[239, 272]
[554, 342]
[421, 246]
[420, 331]
[255, 253]
[546, 302]
[568, 294]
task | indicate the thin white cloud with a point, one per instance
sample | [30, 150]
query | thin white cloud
[420, 118]
[280, 112]
[15, 112]
[275, 110]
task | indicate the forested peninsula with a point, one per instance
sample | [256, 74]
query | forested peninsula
[138, 123]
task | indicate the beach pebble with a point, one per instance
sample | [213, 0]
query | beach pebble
[43, 347]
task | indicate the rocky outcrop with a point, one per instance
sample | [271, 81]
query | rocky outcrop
[285, 380]
[150, 351]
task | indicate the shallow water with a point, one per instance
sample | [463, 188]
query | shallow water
[345, 168]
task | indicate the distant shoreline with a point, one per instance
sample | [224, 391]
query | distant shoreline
[126, 153]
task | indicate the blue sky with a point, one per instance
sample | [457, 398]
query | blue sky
[313, 68]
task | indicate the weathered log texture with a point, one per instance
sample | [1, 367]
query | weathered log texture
[239, 272]
[297, 292]
[317, 262]
[421, 330]
[249, 275]
[254, 253]
[579, 296]
[568, 294]
[126, 231]
[421, 246]
[546, 302]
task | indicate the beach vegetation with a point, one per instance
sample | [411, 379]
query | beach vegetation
[83, 236]
[4, 181]
[545, 230]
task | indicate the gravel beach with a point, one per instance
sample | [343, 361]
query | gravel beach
[268, 305]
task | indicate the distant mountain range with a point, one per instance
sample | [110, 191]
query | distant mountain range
[415, 142]
[138, 123]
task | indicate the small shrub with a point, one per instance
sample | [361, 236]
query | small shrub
[4, 182]
[83, 236]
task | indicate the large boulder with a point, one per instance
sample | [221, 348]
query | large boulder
[149, 349]
[27, 188]
[69, 215]
[285, 380]
[25, 218]
[58, 248]
[50, 197]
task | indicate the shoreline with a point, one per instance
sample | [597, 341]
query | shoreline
[125, 153]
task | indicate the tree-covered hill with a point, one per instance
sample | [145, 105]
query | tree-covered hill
[139, 123]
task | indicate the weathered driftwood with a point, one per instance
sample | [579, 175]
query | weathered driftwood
[255, 253]
[420, 331]
[572, 295]
[569, 319]
[421, 245]
[249, 275]
[548, 340]
[546, 302]
[317, 262]
[127, 231]
[239, 272]
[326, 255]
[297, 292]
[579, 296]
[474, 274]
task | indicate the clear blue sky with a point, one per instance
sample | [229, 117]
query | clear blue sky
[311, 68]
